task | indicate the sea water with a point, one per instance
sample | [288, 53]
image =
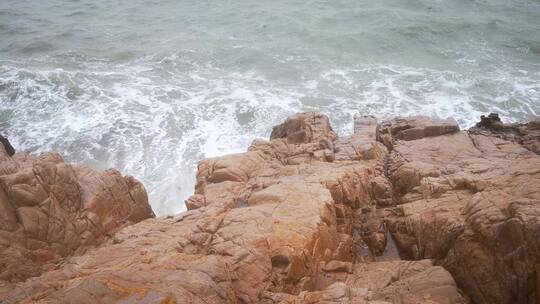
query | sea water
[151, 87]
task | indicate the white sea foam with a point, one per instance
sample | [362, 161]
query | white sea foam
[156, 117]
[152, 89]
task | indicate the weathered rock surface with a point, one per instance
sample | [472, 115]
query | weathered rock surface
[471, 201]
[412, 210]
[412, 128]
[50, 210]
[526, 134]
[382, 282]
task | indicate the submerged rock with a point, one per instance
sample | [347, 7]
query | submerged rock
[412, 210]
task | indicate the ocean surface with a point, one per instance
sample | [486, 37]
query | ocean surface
[152, 86]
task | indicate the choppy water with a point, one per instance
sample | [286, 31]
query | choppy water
[150, 87]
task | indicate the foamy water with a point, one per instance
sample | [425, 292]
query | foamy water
[151, 87]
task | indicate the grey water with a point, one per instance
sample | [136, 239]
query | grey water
[152, 86]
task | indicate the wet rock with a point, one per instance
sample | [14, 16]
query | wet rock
[492, 121]
[525, 134]
[8, 148]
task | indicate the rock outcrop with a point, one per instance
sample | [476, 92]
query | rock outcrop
[8, 148]
[471, 201]
[411, 210]
[50, 210]
[525, 134]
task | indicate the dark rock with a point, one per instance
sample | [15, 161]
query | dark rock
[525, 134]
[7, 145]
[492, 121]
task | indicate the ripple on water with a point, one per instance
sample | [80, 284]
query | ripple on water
[151, 119]
[36, 47]
[151, 87]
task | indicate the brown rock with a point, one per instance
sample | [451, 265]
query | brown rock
[526, 134]
[309, 217]
[412, 128]
[338, 266]
[384, 282]
[304, 128]
[50, 210]
[465, 206]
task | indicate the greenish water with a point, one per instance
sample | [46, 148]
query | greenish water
[151, 87]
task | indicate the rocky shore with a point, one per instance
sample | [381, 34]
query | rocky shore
[411, 210]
